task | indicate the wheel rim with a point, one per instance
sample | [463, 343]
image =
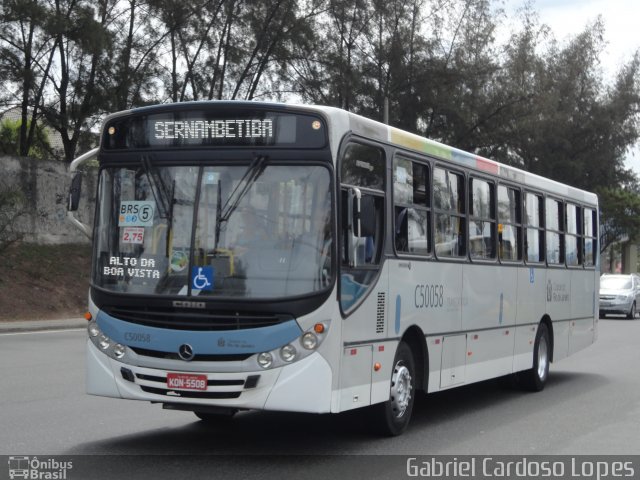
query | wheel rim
[400, 390]
[543, 358]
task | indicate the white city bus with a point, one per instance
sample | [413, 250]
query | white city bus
[299, 258]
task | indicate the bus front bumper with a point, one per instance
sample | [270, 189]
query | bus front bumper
[303, 386]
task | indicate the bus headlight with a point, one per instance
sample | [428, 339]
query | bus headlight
[265, 359]
[288, 353]
[93, 329]
[108, 346]
[309, 341]
[298, 349]
[104, 342]
[119, 350]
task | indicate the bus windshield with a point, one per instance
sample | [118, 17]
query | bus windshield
[254, 231]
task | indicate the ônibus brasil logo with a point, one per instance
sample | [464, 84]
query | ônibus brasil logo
[36, 469]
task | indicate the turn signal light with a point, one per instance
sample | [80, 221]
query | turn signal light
[318, 328]
[88, 317]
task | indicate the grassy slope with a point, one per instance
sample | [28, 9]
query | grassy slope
[44, 281]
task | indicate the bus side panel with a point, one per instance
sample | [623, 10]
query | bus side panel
[361, 331]
[356, 371]
[558, 296]
[531, 290]
[427, 294]
[582, 331]
[489, 317]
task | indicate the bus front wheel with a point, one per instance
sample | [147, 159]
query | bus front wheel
[392, 417]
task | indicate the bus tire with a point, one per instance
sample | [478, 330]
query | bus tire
[535, 379]
[392, 417]
[221, 418]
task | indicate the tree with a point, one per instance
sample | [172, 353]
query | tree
[26, 56]
[10, 140]
[135, 48]
[620, 216]
[80, 82]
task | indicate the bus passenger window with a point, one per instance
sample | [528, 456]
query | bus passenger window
[412, 212]
[509, 228]
[555, 237]
[448, 189]
[482, 226]
[590, 237]
[573, 245]
[534, 234]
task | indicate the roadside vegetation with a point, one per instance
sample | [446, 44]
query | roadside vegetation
[44, 281]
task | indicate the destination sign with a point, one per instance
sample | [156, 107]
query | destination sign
[206, 129]
[216, 128]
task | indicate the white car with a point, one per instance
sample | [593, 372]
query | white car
[619, 294]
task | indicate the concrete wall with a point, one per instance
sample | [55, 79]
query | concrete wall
[45, 186]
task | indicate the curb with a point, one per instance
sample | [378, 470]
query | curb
[41, 325]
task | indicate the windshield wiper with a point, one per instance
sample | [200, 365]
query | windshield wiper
[254, 170]
[163, 196]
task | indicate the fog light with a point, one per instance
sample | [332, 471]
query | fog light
[104, 341]
[309, 341]
[93, 329]
[288, 353]
[265, 360]
[119, 350]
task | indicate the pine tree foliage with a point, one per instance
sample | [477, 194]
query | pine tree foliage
[529, 100]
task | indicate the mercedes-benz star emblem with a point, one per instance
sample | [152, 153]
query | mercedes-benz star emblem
[186, 352]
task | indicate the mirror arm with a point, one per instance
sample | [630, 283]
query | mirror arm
[73, 166]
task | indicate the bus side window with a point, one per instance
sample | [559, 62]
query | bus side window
[534, 234]
[482, 225]
[509, 228]
[590, 237]
[411, 207]
[450, 232]
[555, 228]
[573, 243]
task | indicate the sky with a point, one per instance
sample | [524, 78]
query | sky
[567, 18]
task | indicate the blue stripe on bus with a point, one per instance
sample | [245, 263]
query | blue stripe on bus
[222, 342]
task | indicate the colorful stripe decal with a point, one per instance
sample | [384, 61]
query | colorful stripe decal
[424, 145]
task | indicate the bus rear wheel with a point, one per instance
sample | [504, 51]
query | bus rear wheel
[536, 378]
[392, 417]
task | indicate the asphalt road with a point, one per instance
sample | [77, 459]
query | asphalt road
[591, 405]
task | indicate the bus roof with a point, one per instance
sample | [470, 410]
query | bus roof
[347, 121]
[342, 122]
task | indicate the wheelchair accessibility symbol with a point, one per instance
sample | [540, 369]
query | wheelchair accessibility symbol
[202, 278]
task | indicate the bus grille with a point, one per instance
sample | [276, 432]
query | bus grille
[189, 320]
[190, 394]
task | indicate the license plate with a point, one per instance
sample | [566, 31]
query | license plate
[186, 381]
